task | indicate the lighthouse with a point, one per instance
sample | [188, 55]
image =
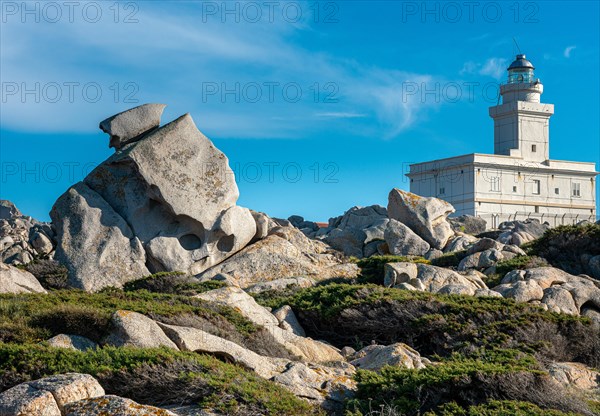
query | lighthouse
[519, 181]
[522, 122]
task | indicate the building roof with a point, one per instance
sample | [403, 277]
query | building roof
[521, 62]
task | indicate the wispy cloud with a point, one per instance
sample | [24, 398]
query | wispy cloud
[494, 67]
[568, 50]
[170, 58]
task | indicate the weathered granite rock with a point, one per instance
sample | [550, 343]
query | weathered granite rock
[70, 387]
[14, 280]
[48, 396]
[73, 342]
[327, 386]
[575, 375]
[427, 217]
[402, 241]
[481, 260]
[26, 400]
[374, 357]
[468, 224]
[95, 244]
[522, 291]
[130, 124]
[286, 252]
[8, 210]
[305, 348]
[281, 284]
[347, 240]
[430, 278]
[136, 330]
[167, 192]
[559, 300]
[192, 339]
[113, 405]
[520, 232]
[288, 321]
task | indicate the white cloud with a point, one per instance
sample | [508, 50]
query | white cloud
[170, 56]
[494, 67]
[568, 50]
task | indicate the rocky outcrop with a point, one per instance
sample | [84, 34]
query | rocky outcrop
[521, 232]
[306, 349]
[49, 396]
[424, 277]
[192, 339]
[576, 376]
[553, 289]
[288, 320]
[284, 253]
[165, 201]
[23, 238]
[427, 217]
[14, 280]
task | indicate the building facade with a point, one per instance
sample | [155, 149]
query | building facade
[519, 180]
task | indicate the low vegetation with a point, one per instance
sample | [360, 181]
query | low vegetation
[173, 283]
[26, 318]
[459, 385]
[356, 315]
[157, 377]
[372, 268]
[516, 263]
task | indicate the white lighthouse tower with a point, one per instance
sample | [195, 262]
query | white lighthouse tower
[519, 180]
[521, 122]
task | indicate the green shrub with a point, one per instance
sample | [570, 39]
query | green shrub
[79, 313]
[450, 259]
[355, 315]
[372, 268]
[458, 383]
[498, 408]
[564, 246]
[155, 376]
[50, 273]
[173, 283]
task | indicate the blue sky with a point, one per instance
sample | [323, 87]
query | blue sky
[319, 106]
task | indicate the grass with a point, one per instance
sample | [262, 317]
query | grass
[36, 317]
[172, 283]
[156, 376]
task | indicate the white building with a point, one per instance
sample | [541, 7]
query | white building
[519, 180]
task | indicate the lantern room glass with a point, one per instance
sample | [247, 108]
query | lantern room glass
[520, 76]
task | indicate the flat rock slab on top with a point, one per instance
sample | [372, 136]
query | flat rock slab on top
[130, 124]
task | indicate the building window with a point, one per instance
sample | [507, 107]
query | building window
[537, 209]
[556, 191]
[576, 189]
[442, 190]
[536, 187]
[533, 148]
[495, 184]
[514, 189]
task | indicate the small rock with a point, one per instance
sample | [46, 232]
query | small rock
[374, 357]
[113, 405]
[73, 342]
[136, 330]
[287, 320]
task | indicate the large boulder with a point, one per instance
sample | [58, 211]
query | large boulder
[284, 253]
[427, 217]
[521, 232]
[136, 330]
[8, 210]
[168, 193]
[14, 280]
[49, 396]
[349, 241]
[402, 241]
[96, 244]
[429, 278]
[192, 339]
[305, 348]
